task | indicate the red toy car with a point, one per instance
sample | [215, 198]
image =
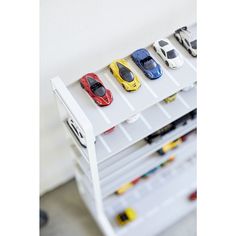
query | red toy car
[135, 181]
[193, 196]
[109, 130]
[96, 89]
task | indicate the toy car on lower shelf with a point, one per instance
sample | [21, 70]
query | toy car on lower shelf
[109, 130]
[170, 98]
[172, 126]
[169, 146]
[133, 118]
[124, 188]
[164, 164]
[150, 172]
[189, 87]
[127, 216]
[160, 133]
[136, 181]
[184, 119]
[193, 196]
[76, 131]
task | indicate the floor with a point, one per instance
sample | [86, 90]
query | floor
[68, 216]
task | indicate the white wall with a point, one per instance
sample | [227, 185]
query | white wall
[79, 36]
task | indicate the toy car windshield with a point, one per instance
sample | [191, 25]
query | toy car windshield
[194, 44]
[124, 217]
[125, 73]
[171, 54]
[98, 89]
[148, 63]
[163, 43]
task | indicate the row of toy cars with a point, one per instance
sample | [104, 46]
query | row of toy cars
[168, 128]
[122, 71]
[162, 151]
[174, 144]
[129, 214]
[183, 120]
[124, 188]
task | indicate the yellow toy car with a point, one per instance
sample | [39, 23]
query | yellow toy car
[127, 216]
[170, 146]
[124, 188]
[171, 159]
[170, 98]
[122, 72]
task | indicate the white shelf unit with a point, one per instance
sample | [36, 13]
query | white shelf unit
[123, 155]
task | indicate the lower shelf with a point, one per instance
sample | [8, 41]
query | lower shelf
[159, 201]
[152, 119]
[133, 153]
[146, 164]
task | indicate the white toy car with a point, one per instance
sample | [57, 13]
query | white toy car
[187, 39]
[75, 129]
[189, 87]
[168, 53]
[133, 118]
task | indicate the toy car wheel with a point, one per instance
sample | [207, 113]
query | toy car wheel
[125, 88]
[167, 63]
[111, 70]
[82, 86]
[146, 75]
[190, 52]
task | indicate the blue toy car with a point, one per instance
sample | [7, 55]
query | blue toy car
[147, 64]
[150, 172]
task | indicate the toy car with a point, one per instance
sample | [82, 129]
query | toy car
[133, 118]
[135, 181]
[150, 172]
[170, 146]
[127, 216]
[75, 129]
[168, 53]
[189, 87]
[172, 126]
[96, 89]
[184, 119]
[159, 133]
[147, 64]
[186, 38]
[122, 72]
[167, 162]
[124, 188]
[170, 98]
[109, 130]
[193, 196]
